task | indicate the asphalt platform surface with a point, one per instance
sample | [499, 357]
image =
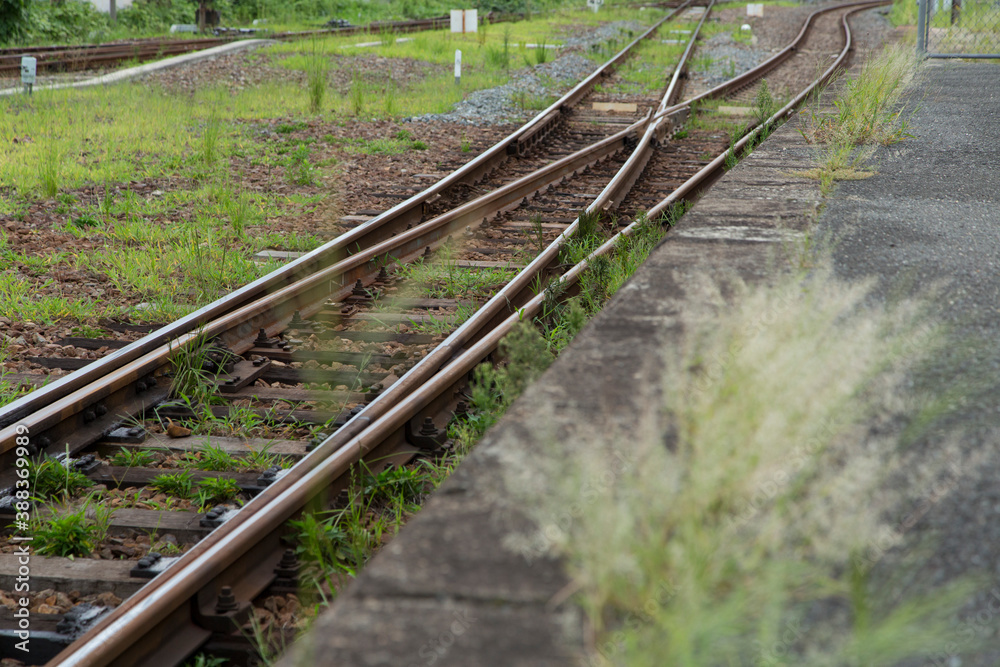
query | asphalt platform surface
[927, 225]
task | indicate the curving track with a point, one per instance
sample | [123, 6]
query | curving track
[334, 293]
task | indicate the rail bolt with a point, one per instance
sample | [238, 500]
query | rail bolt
[226, 602]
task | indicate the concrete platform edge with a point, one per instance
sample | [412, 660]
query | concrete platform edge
[453, 588]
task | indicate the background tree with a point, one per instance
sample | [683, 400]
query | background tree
[13, 19]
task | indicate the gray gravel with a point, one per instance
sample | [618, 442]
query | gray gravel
[728, 57]
[503, 104]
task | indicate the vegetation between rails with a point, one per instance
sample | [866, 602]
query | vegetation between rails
[336, 544]
[191, 237]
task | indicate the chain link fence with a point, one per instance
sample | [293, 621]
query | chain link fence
[959, 28]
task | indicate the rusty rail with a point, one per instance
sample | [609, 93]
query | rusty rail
[381, 421]
[71, 392]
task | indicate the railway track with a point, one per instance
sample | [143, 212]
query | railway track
[340, 310]
[90, 56]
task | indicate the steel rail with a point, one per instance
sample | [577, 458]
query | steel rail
[334, 456]
[377, 229]
[425, 370]
[712, 167]
[760, 70]
[307, 296]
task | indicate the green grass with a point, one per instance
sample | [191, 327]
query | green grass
[133, 458]
[51, 480]
[216, 490]
[58, 532]
[401, 142]
[904, 12]
[177, 484]
[704, 551]
[445, 280]
[650, 69]
[867, 113]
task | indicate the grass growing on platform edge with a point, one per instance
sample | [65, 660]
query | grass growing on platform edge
[740, 528]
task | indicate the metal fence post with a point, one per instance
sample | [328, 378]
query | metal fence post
[922, 28]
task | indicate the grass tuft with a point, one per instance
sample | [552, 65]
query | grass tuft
[735, 514]
[316, 79]
[867, 113]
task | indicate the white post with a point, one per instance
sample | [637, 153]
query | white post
[458, 66]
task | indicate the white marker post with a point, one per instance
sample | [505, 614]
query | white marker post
[28, 69]
[458, 66]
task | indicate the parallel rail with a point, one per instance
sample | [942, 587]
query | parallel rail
[246, 548]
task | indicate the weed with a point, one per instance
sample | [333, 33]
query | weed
[764, 105]
[321, 545]
[133, 458]
[48, 172]
[203, 660]
[288, 128]
[357, 94]
[215, 490]
[541, 53]
[675, 541]
[262, 459]
[51, 479]
[537, 232]
[316, 81]
[404, 485]
[465, 146]
[387, 36]
[176, 484]
[389, 102]
[302, 171]
[731, 158]
[212, 457]
[866, 114]
[85, 221]
[69, 534]
[210, 140]
[195, 367]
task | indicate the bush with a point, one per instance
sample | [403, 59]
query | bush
[152, 16]
[72, 20]
[13, 20]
